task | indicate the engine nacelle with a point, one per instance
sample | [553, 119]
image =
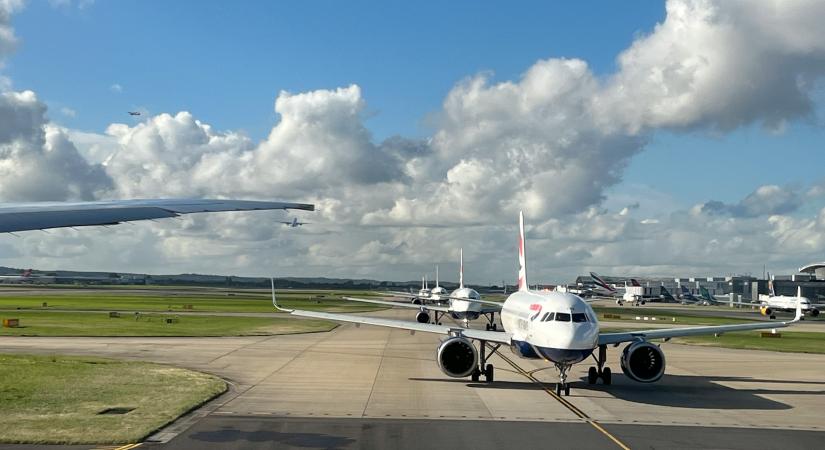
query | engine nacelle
[643, 362]
[457, 357]
[765, 311]
[814, 312]
[416, 301]
[422, 317]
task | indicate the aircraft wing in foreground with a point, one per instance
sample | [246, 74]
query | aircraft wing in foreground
[43, 215]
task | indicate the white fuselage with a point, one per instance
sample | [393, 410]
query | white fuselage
[786, 303]
[438, 294]
[464, 310]
[559, 327]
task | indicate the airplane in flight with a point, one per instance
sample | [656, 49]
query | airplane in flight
[771, 304]
[134, 113]
[295, 223]
[462, 305]
[45, 215]
[560, 328]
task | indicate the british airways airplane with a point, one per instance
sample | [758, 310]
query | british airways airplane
[558, 327]
[463, 304]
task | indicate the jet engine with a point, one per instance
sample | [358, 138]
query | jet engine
[457, 357]
[643, 362]
[814, 312]
[422, 317]
[416, 301]
[766, 311]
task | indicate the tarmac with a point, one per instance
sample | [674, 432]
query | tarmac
[373, 387]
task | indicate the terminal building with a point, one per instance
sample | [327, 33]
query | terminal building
[811, 278]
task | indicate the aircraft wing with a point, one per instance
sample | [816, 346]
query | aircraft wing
[667, 333]
[489, 336]
[42, 215]
[399, 304]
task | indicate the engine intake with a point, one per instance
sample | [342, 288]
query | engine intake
[643, 362]
[457, 357]
[422, 317]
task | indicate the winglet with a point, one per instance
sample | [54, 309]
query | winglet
[274, 301]
[522, 258]
[799, 312]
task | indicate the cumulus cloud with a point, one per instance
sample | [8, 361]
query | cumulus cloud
[552, 142]
[8, 41]
[764, 201]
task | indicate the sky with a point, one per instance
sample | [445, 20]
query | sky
[649, 138]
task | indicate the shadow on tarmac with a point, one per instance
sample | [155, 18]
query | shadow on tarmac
[304, 440]
[678, 391]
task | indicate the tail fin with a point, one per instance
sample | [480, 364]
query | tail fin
[601, 282]
[522, 257]
[424, 282]
[633, 282]
[706, 294]
[771, 290]
[666, 294]
[461, 268]
[436, 275]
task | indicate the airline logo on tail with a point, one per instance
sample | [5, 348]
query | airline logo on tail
[666, 294]
[601, 283]
[522, 260]
[706, 295]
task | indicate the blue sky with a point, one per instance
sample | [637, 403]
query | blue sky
[701, 66]
[226, 63]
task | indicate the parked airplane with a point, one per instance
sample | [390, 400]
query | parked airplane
[295, 223]
[24, 277]
[633, 294]
[688, 298]
[43, 215]
[771, 304]
[462, 304]
[666, 296]
[558, 327]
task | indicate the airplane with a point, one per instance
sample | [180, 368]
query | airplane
[424, 292]
[25, 276]
[665, 295]
[294, 223]
[436, 295]
[45, 215]
[134, 113]
[560, 328]
[688, 298]
[460, 306]
[632, 294]
[769, 305]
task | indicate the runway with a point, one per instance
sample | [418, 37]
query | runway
[372, 386]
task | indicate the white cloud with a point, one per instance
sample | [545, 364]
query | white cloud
[68, 112]
[555, 142]
[116, 88]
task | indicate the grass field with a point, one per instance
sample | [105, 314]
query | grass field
[50, 323]
[59, 399]
[665, 316]
[791, 341]
[208, 301]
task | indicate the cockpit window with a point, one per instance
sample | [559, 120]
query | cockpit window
[544, 317]
[548, 317]
[579, 317]
[562, 317]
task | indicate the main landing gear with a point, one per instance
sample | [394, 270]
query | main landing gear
[491, 319]
[437, 315]
[594, 373]
[487, 370]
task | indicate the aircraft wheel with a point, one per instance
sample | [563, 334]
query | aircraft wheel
[567, 389]
[487, 327]
[558, 389]
[772, 317]
[439, 323]
[476, 374]
[592, 375]
[607, 376]
[489, 373]
[495, 327]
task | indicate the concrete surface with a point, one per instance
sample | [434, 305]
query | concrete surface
[372, 374]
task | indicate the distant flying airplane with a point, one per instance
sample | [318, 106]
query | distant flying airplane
[558, 327]
[134, 113]
[43, 215]
[462, 304]
[295, 223]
